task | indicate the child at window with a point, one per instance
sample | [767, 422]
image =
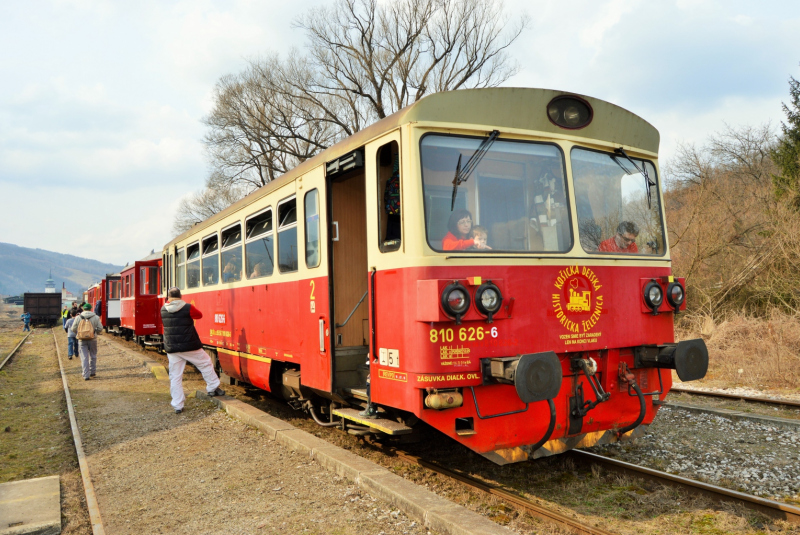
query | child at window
[479, 235]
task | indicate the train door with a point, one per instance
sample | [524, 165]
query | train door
[113, 308]
[385, 246]
[314, 317]
[348, 274]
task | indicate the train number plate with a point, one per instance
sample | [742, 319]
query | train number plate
[389, 357]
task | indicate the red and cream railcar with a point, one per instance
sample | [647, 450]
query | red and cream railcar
[95, 294]
[106, 292]
[140, 302]
[498, 257]
[111, 305]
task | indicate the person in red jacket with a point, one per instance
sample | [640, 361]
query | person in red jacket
[624, 241]
[460, 228]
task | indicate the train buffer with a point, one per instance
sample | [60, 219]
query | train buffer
[384, 425]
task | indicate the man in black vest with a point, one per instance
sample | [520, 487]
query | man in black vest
[182, 344]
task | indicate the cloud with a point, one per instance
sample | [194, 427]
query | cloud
[90, 223]
[101, 101]
[689, 65]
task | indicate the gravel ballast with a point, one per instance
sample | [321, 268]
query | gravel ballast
[756, 458]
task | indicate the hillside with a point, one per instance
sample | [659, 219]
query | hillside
[26, 270]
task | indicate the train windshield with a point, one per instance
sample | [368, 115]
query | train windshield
[513, 201]
[616, 213]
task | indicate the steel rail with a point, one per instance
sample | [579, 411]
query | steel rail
[518, 501]
[769, 507]
[754, 399]
[15, 350]
[91, 498]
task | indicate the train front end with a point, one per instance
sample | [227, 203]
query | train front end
[533, 311]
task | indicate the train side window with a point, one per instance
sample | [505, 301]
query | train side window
[287, 236]
[210, 260]
[312, 228]
[193, 266]
[113, 289]
[180, 275]
[148, 277]
[388, 167]
[232, 253]
[259, 246]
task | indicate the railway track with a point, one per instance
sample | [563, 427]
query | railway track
[524, 504]
[91, 499]
[8, 357]
[770, 508]
[722, 395]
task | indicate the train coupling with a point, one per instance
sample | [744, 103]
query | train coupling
[688, 358]
[536, 376]
[589, 369]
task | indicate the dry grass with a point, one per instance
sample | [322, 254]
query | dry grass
[746, 351]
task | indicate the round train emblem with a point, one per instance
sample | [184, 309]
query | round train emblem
[578, 301]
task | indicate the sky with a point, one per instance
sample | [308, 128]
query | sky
[101, 103]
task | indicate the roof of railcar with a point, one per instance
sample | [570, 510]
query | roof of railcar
[501, 107]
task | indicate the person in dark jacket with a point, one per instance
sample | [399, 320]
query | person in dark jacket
[182, 344]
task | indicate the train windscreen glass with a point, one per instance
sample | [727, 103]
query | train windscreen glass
[514, 200]
[616, 215]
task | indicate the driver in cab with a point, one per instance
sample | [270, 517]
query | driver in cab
[624, 241]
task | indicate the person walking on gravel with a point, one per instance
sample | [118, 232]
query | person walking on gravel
[72, 341]
[86, 327]
[26, 320]
[182, 344]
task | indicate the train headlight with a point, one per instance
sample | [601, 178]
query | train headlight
[675, 295]
[455, 301]
[488, 299]
[568, 111]
[653, 296]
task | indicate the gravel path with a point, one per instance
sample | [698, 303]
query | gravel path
[747, 456]
[201, 471]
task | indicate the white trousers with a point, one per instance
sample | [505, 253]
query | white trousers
[177, 363]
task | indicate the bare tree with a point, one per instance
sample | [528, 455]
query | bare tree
[372, 59]
[366, 60]
[256, 132]
[203, 204]
[721, 215]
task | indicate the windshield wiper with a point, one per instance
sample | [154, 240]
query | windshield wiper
[643, 171]
[463, 174]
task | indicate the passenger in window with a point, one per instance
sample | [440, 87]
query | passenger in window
[258, 271]
[480, 235]
[231, 272]
[624, 241]
[391, 200]
[459, 233]
[459, 226]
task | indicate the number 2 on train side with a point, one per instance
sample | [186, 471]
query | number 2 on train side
[311, 283]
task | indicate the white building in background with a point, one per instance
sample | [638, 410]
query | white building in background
[67, 297]
[50, 284]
